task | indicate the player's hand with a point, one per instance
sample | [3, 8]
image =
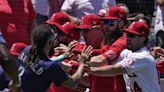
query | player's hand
[97, 61]
[62, 48]
[66, 50]
[15, 87]
[157, 52]
[85, 54]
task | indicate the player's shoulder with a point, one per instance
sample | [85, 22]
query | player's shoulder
[124, 54]
[142, 55]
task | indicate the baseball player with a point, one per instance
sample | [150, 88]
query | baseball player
[137, 65]
[37, 72]
[9, 65]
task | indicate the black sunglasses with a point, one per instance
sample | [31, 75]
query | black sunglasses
[131, 35]
[109, 22]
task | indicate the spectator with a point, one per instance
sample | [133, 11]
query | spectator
[42, 9]
[159, 21]
[16, 20]
[140, 6]
[54, 6]
[75, 9]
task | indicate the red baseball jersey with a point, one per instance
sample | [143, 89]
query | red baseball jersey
[110, 84]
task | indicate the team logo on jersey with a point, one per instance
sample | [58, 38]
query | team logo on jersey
[129, 61]
[111, 54]
[35, 68]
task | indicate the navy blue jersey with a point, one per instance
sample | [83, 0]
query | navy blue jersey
[23, 54]
[38, 76]
[4, 79]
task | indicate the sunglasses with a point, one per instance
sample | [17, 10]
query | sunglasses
[130, 35]
[109, 22]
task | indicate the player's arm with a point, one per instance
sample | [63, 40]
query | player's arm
[109, 70]
[8, 64]
[105, 58]
[10, 67]
[72, 18]
[109, 56]
[73, 80]
[67, 8]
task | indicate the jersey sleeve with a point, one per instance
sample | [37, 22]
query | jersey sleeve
[57, 75]
[134, 63]
[79, 47]
[68, 5]
[115, 49]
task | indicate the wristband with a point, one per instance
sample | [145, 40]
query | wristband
[58, 58]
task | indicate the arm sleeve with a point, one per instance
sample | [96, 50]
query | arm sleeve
[58, 58]
[133, 64]
[78, 49]
[57, 75]
[115, 49]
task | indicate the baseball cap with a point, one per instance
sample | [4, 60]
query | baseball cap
[88, 21]
[17, 48]
[58, 17]
[115, 13]
[138, 28]
[70, 29]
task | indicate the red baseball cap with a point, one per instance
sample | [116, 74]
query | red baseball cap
[115, 13]
[58, 17]
[70, 29]
[138, 28]
[17, 48]
[88, 21]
